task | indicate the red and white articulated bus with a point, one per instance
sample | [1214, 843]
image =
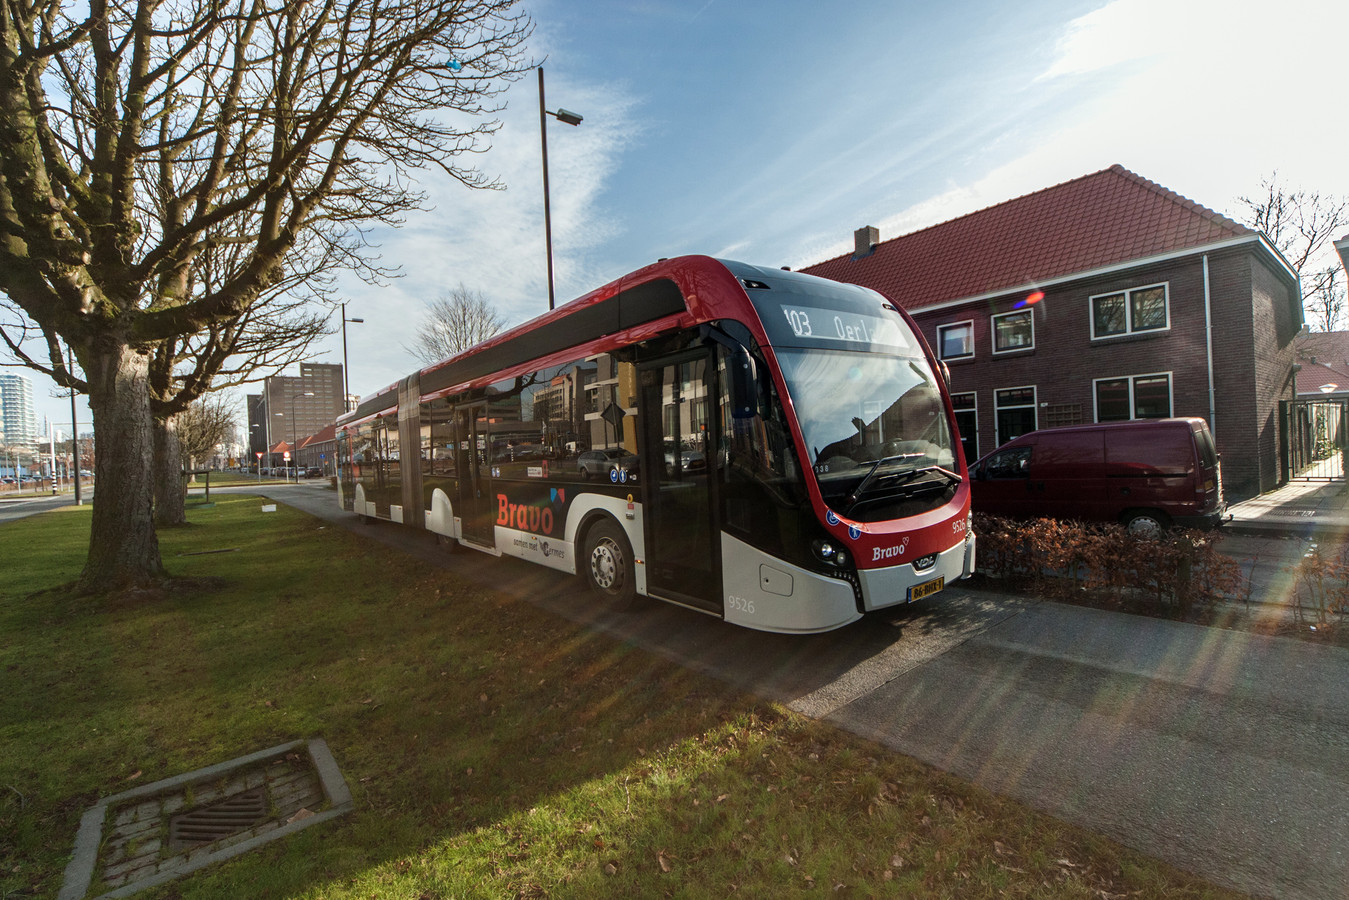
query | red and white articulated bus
[767, 447]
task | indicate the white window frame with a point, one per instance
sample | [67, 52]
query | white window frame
[1129, 311]
[1034, 405]
[1133, 404]
[941, 344]
[993, 330]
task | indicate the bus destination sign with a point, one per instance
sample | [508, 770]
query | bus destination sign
[814, 324]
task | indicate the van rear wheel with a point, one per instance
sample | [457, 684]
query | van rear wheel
[1146, 523]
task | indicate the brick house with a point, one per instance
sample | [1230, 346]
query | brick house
[1105, 297]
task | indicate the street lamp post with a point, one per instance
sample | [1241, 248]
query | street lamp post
[74, 430]
[282, 414]
[569, 118]
[346, 389]
[295, 436]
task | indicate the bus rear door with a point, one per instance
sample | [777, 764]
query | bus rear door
[683, 553]
[476, 500]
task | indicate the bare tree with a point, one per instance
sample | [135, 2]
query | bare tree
[204, 426]
[273, 334]
[453, 323]
[138, 135]
[1303, 225]
[1325, 302]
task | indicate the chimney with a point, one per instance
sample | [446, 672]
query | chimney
[865, 240]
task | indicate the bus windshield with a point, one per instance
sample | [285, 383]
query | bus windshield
[875, 425]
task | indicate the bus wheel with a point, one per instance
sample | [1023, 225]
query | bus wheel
[608, 564]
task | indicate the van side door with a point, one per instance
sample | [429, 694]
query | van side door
[1068, 477]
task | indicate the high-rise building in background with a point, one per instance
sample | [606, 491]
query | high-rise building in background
[292, 408]
[18, 416]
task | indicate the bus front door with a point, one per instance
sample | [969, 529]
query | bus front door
[476, 502]
[683, 552]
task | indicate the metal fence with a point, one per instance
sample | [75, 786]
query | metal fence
[1314, 437]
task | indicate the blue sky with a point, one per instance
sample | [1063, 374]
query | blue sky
[769, 132]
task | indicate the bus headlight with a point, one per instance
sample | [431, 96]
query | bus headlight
[826, 552]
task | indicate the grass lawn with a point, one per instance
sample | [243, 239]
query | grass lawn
[493, 750]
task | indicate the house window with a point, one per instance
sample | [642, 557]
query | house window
[1130, 312]
[967, 421]
[1014, 412]
[1013, 331]
[1136, 397]
[955, 341]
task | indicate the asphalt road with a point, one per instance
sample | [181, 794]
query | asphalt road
[1224, 753]
[19, 504]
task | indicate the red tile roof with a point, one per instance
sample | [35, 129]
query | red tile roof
[1108, 217]
[326, 433]
[1324, 357]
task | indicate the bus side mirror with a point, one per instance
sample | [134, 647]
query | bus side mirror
[744, 385]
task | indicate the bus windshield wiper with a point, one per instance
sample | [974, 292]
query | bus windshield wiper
[903, 477]
[851, 499]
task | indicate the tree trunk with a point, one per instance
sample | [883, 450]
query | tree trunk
[123, 547]
[170, 489]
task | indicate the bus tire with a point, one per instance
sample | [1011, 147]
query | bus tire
[608, 565]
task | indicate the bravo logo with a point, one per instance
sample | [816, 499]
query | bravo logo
[880, 553]
[523, 517]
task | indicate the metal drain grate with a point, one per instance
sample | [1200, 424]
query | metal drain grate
[220, 820]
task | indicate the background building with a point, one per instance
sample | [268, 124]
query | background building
[292, 408]
[18, 416]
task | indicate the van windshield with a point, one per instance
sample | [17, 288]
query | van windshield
[875, 428]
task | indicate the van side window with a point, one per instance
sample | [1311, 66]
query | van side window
[1014, 463]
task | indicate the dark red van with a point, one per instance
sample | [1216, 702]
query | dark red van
[1148, 474]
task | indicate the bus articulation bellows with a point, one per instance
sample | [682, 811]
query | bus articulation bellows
[771, 448]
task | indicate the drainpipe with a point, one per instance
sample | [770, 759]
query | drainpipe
[1208, 346]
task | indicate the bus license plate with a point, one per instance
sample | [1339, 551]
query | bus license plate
[926, 589]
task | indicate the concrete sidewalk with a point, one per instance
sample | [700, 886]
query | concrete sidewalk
[1311, 510]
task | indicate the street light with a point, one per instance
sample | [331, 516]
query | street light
[258, 458]
[281, 413]
[346, 390]
[569, 118]
[295, 437]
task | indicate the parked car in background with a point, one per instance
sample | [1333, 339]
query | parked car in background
[689, 458]
[599, 463]
[313, 472]
[1148, 474]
